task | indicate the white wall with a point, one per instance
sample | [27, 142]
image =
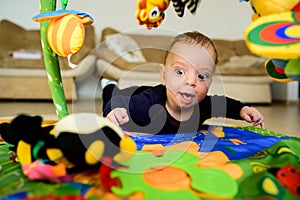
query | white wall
[216, 18]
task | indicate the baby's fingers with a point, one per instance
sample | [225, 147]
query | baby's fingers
[112, 118]
[253, 116]
[121, 116]
[247, 118]
[259, 122]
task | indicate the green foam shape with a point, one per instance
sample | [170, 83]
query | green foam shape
[207, 180]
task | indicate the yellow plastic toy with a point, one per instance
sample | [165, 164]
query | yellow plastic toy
[263, 8]
[275, 33]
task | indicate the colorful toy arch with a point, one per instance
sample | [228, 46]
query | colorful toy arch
[62, 33]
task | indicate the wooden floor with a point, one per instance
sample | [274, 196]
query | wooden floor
[281, 117]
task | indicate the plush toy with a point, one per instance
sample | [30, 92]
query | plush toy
[30, 142]
[179, 6]
[275, 33]
[76, 142]
[151, 13]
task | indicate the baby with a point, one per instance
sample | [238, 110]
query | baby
[179, 104]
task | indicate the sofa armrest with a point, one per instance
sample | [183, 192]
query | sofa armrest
[127, 78]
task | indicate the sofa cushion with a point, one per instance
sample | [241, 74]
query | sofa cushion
[225, 49]
[236, 59]
[125, 46]
[243, 65]
[112, 58]
[153, 46]
[151, 51]
[240, 48]
[13, 37]
[233, 55]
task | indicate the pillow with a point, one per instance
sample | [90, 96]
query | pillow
[125, 46]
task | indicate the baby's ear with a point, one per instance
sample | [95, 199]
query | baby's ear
[162, 74]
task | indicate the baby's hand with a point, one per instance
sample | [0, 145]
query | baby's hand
[118, 116]
[252, 115]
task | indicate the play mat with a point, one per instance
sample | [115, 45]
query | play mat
[217, 162]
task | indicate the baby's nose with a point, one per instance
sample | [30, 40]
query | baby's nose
[190, 80]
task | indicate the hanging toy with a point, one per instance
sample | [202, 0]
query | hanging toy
[51, 61]
[50, 51]
[66, 31]
[275, 33]
[179, 6]
[151, 13]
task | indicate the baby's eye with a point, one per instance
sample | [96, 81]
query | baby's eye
[179, 72]
[202, 76]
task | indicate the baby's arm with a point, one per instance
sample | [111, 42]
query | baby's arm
[252, 115]
[118, 116]
[233, 109]
[122, 109]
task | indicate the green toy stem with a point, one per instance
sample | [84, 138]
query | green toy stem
[52, 64]
[64, 4]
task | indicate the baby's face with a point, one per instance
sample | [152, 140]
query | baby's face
[187, 74]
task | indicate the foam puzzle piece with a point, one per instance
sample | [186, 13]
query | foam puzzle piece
[205, 180]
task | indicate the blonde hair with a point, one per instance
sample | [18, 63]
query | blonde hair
[193, 37]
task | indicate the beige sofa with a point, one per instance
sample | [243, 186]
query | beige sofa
[240, 74]
[26, 78]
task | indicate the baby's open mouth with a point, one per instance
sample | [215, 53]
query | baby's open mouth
[187, 96]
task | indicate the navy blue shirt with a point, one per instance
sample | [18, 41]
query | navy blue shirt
[148, 114]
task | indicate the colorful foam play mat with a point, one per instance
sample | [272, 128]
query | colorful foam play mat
[217, 162]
